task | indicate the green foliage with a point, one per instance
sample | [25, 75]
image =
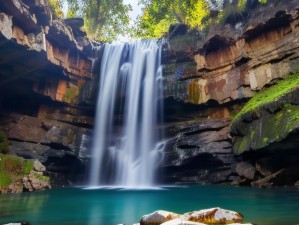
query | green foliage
[3, 143]
[5, 180]
[28, 166]
[105, 20]
[41, 177]
[263, 1]
[158, 15]
[56, 8]
[13, 169]
[71, 95]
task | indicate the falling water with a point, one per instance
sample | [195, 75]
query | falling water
[124, 151]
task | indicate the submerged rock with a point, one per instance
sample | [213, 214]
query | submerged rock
[158, 217]
[214, 216]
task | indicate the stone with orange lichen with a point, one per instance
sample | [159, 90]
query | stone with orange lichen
[158, 217]
[214, 216]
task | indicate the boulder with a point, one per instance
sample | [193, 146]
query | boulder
[35, 181]
[245, 169]
[213, 216]
[158, 217]
[38, 166]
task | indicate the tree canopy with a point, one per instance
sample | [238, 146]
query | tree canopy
[104, 19]
[158, 15]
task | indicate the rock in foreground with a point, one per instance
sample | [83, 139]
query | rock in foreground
[181, 222]
[158, 217]
[202, 217]
[214, 216]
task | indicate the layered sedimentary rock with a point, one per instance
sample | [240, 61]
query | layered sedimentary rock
[229, 67]
[232, 67]
[45, 77]
[46, 51]
[200, 150]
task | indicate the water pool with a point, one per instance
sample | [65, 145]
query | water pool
[78, 206]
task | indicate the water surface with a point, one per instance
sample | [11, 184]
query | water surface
[78, 206]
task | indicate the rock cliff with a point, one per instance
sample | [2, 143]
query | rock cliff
[47, 108]
[45, 75]
[220, 72]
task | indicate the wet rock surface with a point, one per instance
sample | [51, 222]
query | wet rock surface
[200, 152]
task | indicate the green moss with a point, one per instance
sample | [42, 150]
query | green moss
[5, 180]
[71, 95]
[28, 166]
[270, 94]
[265, 139]
[41, 177]
[3, 143]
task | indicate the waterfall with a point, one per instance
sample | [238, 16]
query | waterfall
[124, 150]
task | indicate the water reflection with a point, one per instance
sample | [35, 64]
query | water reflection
[115, 206]
[18, 206]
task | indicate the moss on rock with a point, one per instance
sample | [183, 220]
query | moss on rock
[270, 116]
[13, 170]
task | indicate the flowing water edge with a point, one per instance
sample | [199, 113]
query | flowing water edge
[108, 206]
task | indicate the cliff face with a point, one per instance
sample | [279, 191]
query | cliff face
[229, 66]
[44, 79]
[47, 109]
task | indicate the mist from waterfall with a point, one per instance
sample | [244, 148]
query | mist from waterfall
[125, 149]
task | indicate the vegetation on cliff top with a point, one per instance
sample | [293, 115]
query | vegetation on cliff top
[105, 20]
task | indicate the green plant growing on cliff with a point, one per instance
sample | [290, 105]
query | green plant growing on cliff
[5, 180]
[13, 169]
[270, 94]
[56, 8]
[3, 143]
[71, 95]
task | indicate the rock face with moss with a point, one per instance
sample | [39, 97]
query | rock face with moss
[269, 117]
[269, 124]
[18, 175]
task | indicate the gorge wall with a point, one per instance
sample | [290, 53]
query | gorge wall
[47, 95]
[231, 64]
[45, 89]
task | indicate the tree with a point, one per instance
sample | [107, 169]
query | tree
[104, 19]
[56, 8]
[158, 15]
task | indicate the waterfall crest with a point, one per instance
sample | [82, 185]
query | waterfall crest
[124, 150]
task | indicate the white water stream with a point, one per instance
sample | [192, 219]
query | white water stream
[130, 79]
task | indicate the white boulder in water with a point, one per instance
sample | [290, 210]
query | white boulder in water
[158, 217]
[214, 216]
